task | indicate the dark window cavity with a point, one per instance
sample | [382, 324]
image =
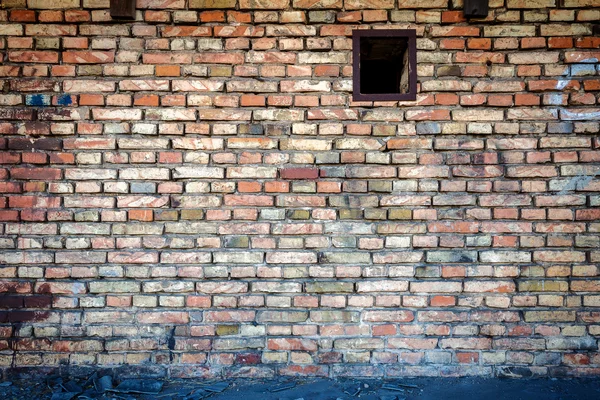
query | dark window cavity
[384, 65]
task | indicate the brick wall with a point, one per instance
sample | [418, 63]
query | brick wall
[196, 190]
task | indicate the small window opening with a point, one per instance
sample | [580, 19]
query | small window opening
[384, 65]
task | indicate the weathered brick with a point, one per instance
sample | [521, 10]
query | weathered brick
[217, 4]
[388, 316]
[58, 4]
[164, 317]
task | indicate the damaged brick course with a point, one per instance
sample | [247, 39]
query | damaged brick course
[196, 190]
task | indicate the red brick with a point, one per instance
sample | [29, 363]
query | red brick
[36, 173]
[22, 16]
[299, 173]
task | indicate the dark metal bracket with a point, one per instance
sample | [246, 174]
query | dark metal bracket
[476, 8]
[122, 9]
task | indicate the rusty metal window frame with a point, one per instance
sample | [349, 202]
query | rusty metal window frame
[411, 36]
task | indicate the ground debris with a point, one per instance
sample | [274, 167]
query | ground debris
[103, 384]
[45, 387]
[282, 387]
[64, 395]
[398, 386]
[72, 386]
[353, 391]
[198, 395]
[143, 386]
[387, 386]
[173, 392]
[217, 387]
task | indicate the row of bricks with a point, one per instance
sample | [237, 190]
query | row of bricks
[249, 272]
[349, 318]
[331, 301]
[47, 46]
[552, 227]
[302, 171]
[553, 240]
[287, 128]
[264, 371]
[288, 37]
[170, 302]
[300, 16]
[320, 71]
[298, 143]
[297, 4]
[303, 16]
[285, 302]
[303, 257]
[121, 353]
[346, 210]
[573, 333]
[279, 301]
[282, 100]
[256, 365]
[193, 207]
[329, 129]
[325, 288]
[299, 115]
[318, 87]
[304, 177]
[283, 329]
[135, 334]
[322, 242]
[300, 28]
[349, 150]
[88, 223]
[467, 68]
[393, 345]
[298, 186]
[285, 4]
[430, 363]
[103, 50]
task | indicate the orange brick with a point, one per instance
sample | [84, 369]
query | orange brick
[249, 187]
[452, 44]
[277, 187]
[150, 100]
[479, 44]
[168, 70]
[497, 100]
[141, 215]
[212, 16]
[251, 100]
[91, 100]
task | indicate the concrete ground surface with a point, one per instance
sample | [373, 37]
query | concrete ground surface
[426, 389]
[308, 389]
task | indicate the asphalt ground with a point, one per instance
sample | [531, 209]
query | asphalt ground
[56, 388]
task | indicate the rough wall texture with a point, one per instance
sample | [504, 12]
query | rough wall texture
[196, 190]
